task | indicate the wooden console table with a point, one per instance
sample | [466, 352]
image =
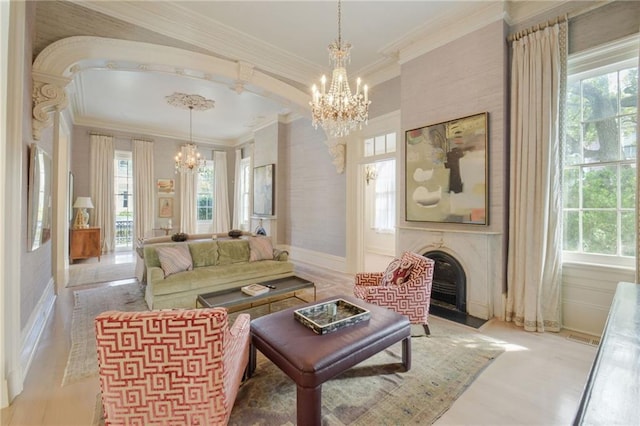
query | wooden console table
[84, 243]
[612, 393]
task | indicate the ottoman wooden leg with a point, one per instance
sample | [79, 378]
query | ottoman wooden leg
[406, 353]
[309, 406]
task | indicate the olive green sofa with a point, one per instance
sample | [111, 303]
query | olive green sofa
[217, 265]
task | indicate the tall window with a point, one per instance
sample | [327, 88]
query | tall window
[383, 175]
[123, 176]
[245, 188]
[599, 177]
[204, 194]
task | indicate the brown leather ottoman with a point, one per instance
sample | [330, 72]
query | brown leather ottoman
[310, 359]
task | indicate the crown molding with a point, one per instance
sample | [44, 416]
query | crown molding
[148, 131]
[521, 11]
[175, 21]
[448, 27]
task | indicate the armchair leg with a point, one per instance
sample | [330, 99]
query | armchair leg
[426, 329]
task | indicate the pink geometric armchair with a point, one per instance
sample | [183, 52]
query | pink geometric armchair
[170, 367]
[404, 287]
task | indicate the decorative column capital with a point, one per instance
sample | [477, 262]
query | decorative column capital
[48, 95]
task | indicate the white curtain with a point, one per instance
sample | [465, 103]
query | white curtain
[188, 193]
[220, 193]
[538, 77]
[102, 193]
[143, 189]
[237, 192]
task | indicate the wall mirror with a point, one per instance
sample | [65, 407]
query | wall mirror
[39, 209]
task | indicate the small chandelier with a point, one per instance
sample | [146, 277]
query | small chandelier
[188, 159]
[338, 111]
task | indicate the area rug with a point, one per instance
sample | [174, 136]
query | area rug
[377, 391]
[100, 273]
[89, 303]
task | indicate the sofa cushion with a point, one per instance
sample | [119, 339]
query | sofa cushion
[233, 251]
[174, 259]
[204, 253]
[261, 249]
[397, 272]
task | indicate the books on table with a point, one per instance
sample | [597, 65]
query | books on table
[254, 289]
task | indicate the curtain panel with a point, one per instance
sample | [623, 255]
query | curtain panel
[143, 189]
[237, 191]
[102, 192]
[188, 207]
[221, 193]
[538, 80]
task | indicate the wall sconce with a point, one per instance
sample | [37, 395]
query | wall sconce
[370, 173]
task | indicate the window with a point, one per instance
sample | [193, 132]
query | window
[245, 181]
[204, 195]
[599, 170]
[123, 185]
[384, 211]
[382, 174]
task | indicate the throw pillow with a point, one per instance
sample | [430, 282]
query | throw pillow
[261, 249]
[174, 259]
[396, 273]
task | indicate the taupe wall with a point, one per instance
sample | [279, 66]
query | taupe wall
[387, 98]
[462, 78]
[314, 216]
[35, 267]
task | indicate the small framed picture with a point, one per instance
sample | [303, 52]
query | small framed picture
[165, 207]
[166, 186]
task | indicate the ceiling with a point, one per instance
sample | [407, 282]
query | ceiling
[283, 39]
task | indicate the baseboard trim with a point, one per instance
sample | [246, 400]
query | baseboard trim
[324, 260]
[35, 326]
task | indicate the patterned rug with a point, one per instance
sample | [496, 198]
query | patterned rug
[89, 303]
[99, 273]
[376, 391]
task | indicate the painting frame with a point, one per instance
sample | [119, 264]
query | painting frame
[447, 171]
[165, 207]
[166, 186]
[264, 190]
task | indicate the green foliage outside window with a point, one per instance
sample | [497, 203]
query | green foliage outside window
[599, 178]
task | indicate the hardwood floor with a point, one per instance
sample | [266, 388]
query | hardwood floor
[537, 381]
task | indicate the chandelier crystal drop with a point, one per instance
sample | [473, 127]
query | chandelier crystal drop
[339, 111]
[188, 159]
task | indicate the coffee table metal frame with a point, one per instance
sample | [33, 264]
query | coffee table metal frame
[285, 288]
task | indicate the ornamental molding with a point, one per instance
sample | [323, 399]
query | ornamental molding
[48, 95]
[338, 151]
[60, 62]
[185, 101]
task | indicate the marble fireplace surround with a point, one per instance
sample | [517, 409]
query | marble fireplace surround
[481, 257]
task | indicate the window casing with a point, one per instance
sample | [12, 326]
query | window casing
[599, 158]
[205, 195]
[245, 192]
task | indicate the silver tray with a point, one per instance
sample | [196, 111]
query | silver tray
[330, 316]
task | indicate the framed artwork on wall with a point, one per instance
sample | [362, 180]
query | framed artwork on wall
[166, 186]
[263, 190]
[446, 172]
[165, 207]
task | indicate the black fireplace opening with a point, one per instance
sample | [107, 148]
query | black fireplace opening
[449, 288]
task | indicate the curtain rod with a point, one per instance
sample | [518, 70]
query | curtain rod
[533, 29]
[99, 134]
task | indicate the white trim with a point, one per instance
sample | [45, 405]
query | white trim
[607, 54]
[60, 197]
[4, 107]
[35, 326]
[11, 182]
[324, 260]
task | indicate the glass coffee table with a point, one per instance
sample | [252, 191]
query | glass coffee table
[235, 300]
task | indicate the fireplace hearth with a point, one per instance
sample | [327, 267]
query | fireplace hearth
[449, 287]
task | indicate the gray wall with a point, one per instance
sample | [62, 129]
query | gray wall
[387, 98]
[314, 214]
[35, 267]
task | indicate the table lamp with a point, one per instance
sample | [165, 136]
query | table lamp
[82, 217]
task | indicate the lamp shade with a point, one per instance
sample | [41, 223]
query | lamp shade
[83, 203]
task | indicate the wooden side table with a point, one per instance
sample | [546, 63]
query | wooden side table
[84, 243]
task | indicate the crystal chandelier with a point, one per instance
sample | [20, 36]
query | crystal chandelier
[188, 159]
[338, 111]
